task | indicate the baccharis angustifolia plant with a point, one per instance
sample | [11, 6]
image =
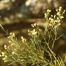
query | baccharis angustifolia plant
[39, 49]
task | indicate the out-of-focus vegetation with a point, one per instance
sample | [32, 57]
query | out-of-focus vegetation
[16, 10]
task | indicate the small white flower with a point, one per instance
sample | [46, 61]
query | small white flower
[5, 46]
[33, 25]
[23, 39]
[61, 17]
[9, 41]
[60, 8]
[57, 25]
[12, 34]
[45, 15]
[33, 32]
[48, 11]
[5, 58]
[3, 53]
[58, 13]
[13, 53]
[51, 20]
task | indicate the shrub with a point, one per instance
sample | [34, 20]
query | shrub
[38, 50]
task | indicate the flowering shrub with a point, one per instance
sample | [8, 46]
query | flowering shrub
[38, 50]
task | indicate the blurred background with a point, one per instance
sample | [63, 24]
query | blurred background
[18, 15]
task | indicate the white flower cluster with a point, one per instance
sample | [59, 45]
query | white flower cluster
[12, 35]
[47, 13]
[33, 25]
[54, 20]
[23, 39]
[4, 56]
[33, 32]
